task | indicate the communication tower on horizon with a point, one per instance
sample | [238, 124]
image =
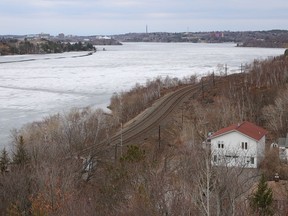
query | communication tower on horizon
[146, 29]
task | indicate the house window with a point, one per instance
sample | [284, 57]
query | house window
[252, 160]
[248, 159]
[228, 158]
[244, 145]
[215, 158]
[221, 144]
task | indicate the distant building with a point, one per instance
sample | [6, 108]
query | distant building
[283, 148]
[217, 34]
[240, 145]
[61, 36]
[44, 36]
[103, 37]
[31, 36]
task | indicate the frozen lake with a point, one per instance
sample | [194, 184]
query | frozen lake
[30, 90]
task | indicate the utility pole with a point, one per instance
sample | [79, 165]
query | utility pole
[159, 138]
[182, 117]
[121, 120]
[226, 69]
[121, 140]
[115, 156]
[241, 68]
[121, 144]
[202, 88]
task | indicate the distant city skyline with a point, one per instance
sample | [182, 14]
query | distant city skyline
[108, 17]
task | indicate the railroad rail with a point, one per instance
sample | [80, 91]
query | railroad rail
[148, 121]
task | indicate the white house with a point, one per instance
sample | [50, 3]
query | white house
[240, 145]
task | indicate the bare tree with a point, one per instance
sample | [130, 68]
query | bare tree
[276, 115]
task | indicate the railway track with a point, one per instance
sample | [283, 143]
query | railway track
[148, 121]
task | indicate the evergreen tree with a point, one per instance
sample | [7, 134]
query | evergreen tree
[134, 154]
[20, 156]
[4, 161]
[262, 199]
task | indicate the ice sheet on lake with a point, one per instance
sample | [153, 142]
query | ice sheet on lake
[53, 83]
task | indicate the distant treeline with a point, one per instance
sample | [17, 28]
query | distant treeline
[41, 46]
[272, 39]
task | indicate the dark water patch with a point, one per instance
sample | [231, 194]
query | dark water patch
[50, 91]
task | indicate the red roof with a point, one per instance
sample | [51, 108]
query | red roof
[247, 128]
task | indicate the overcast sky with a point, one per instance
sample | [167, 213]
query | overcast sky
[105, 17]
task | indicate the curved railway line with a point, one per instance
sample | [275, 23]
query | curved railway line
[147, 121]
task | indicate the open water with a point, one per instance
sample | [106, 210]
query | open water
[34, 86]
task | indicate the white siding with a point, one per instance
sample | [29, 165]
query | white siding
[260, 150]
[233, 154]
